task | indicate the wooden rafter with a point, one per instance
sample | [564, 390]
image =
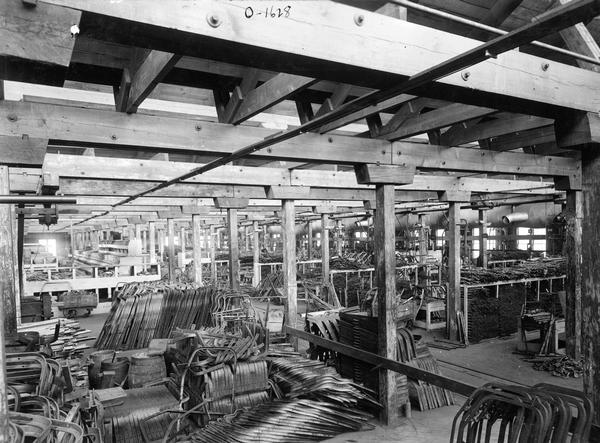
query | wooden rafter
[154, 67]
[106, 128]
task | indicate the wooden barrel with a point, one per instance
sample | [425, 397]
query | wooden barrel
[114, 373]
[145, 369]
[95, 368]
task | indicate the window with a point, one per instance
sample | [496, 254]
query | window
[439, 238]
[50, 244]
[539, 244]
[475, 248]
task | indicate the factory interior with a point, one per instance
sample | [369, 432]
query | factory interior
[294, 221]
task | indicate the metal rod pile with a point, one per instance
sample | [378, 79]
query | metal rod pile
[528, 269]
[144, 311]
[542, 413]
[283, 421]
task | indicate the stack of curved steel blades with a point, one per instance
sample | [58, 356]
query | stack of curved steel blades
[283, 421]
[299, 377]
[542, 413]
[145, 311]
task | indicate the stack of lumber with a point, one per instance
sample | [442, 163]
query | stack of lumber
[63, 337]
[144, 311]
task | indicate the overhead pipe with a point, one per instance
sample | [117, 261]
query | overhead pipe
[465, 21]
[515, 217]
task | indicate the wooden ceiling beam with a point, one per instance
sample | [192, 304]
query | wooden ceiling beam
[165, 26]
[517, 140]
[154, 67]
[106, 128]
[36, 42]
[436, 119]
[268, 94]
[494, 128]
[367, 112]
[72, 166]
[249, 81]
[579, 39]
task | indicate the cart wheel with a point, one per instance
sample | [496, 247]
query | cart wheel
[71, 313]
[87, 313]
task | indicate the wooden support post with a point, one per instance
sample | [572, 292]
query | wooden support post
[138, 233]
[8, 266]
[339, 238]
[182, 241]
[144, 242]
[20, 241]
[255, 253]
[422, 242]
[385, 275]
[290, 285]
[152, 241]
[310, 240]
[73, 241]
[325, 247]
[573, 282]
[197, 248]
[234, 250]
[246, 239]
[213, 263]
[453, 304]
[265, 238]
[582, 131]
[161, 244]
[171, 248]
[483, 236]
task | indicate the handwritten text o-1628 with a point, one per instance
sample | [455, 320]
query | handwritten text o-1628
[268, 12]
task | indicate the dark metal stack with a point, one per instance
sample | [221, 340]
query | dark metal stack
[283, 421]
[542, 413]
[358, 329]
[144, 311]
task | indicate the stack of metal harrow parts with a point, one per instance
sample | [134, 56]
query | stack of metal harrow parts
[283, 421]
[540, 414]
[37, 410]
[145, 311]
[299, 377]
[224, 370]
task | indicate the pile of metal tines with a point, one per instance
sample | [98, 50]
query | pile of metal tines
[145, 311]
[562, 366]
[542, 413]
[36, 388]
[283, 421]
[299, 377]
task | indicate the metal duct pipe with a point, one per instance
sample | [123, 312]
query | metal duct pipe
[515, 217]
